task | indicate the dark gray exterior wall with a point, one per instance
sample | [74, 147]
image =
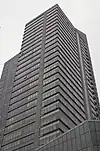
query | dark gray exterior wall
[86, 98]
[43, 85]
[7, 80]
[84, 137]
[91, 100]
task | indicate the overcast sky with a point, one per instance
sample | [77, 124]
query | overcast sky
[14, 14]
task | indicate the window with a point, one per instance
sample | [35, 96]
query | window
[20, 90]
[11, 119]
[52, 57]
[30, 119]
[46, 81]
[50, 73]
[49, 93]
[28, 147]
[48, 53]
[34, 22]
[51, 28]
[31, 45]
[32, 96]
[49, 118]
[29, 78]
[24, 95]
[34, 38]
[22, 108]
[50, 43]
[21, 116]
[31, 51]
[50, 108]
[27, 72]
[50, 85]
[26, 65]
[33, 30]
[11, 145]
[51, 34]
[21, 123]
[33, 41]
[12, 126]
[49, 100]
[33, 83]
[50, 67]
[34, 102]
[50, 39]
[48, 128]
[52, 12]
[12, 135]
[18, 104]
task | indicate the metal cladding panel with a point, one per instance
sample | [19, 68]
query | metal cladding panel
[83, 137]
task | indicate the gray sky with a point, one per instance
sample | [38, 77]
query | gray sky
[14, 14]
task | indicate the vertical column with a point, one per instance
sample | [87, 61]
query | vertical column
[86, 103]
[40, 86]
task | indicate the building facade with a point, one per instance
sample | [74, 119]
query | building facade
[49, 87]
[84, 137]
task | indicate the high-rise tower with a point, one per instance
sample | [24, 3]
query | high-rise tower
[49, 87]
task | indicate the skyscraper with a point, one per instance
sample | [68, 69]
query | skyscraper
[49, 87]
